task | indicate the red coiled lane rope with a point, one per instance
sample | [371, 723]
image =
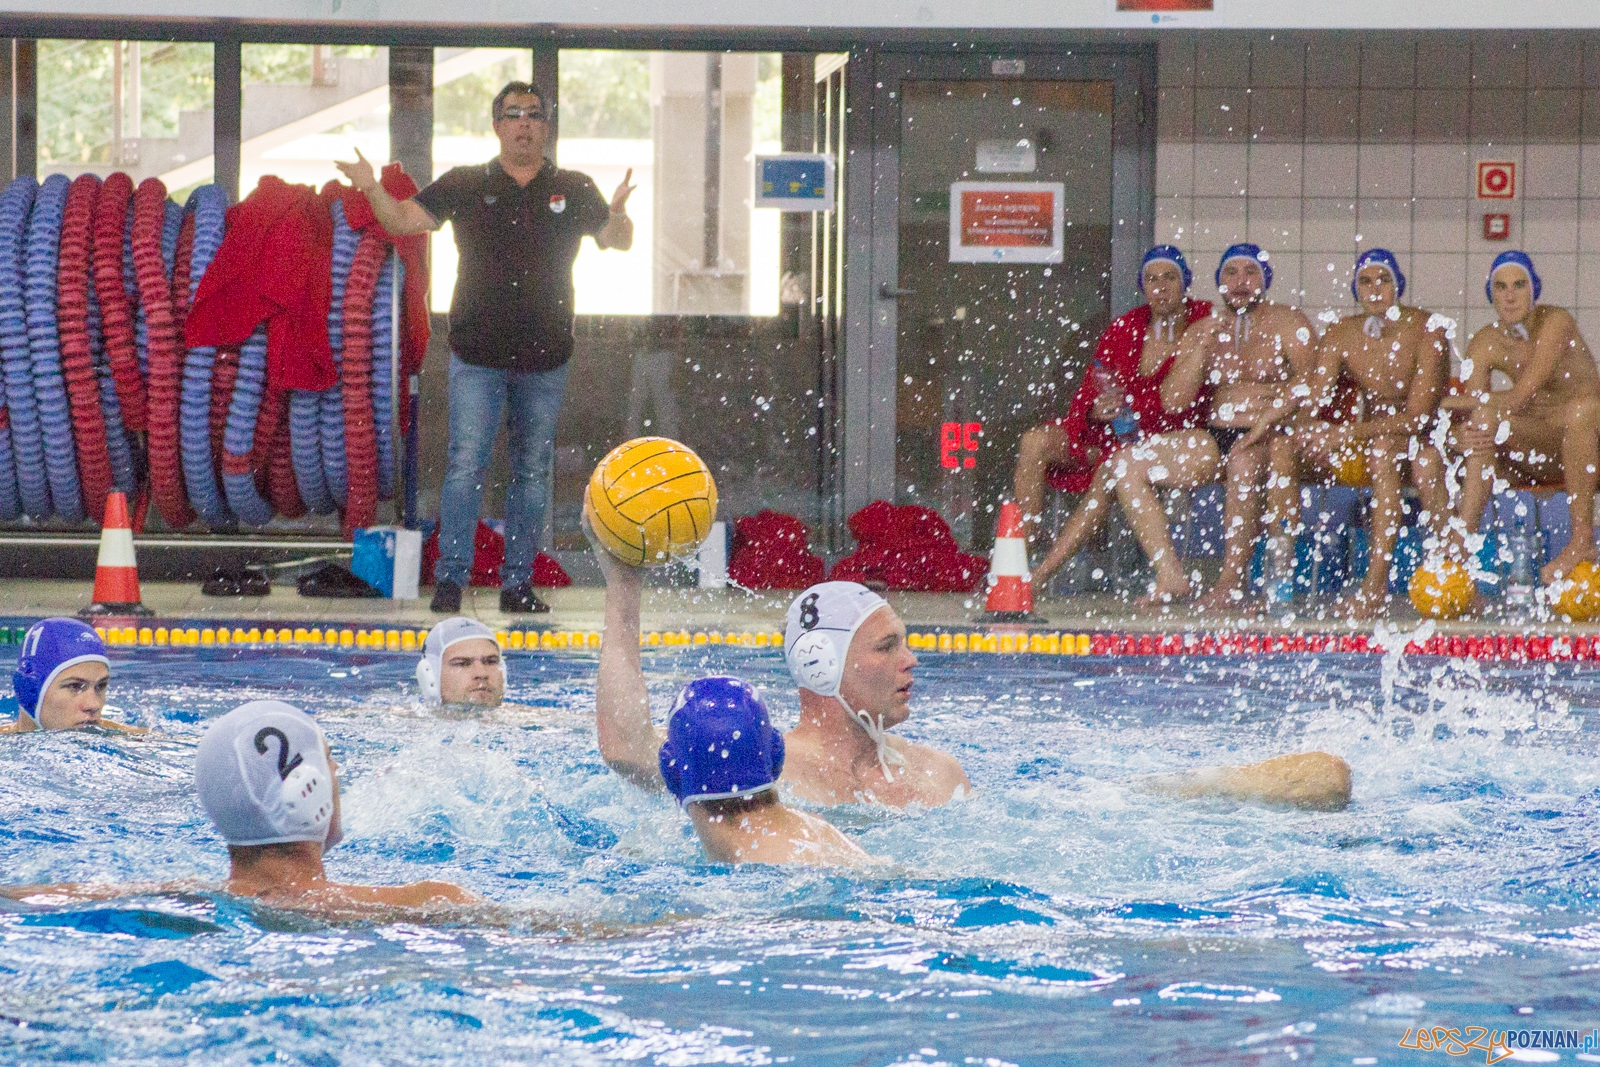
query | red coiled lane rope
[165, 357]
[355, 372]
[223, 374]
[77, 363]
[116, 312]
[282, 489]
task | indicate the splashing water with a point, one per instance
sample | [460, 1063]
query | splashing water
[1060, 915]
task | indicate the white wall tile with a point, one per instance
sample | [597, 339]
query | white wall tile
[1274, 224]
[1174, 169]
[1219, 221]
[1442, 170]
[1558, 278]
[1478, 263]
[1589, 226]
[1436, 279]
[1286, 278]
[1588, 324]
[1552, 171]
[1590, 162]
[1330, 170]
[1324, 288]
[1589, 284]
[1175, 59]
[1221, 169]
[1329, 226]
[1384, 224]
[1478, 316]
[1385, 170]
[1550, 226]
[1275, 170]
[1174, 219]
[1439, 226]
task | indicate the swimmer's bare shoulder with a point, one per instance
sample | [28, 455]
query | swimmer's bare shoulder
[416, 895]
[937, 776]
[1309, 781]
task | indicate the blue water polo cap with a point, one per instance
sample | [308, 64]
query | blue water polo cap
[50, 647]
[1513, 258]
[1385, 259]
[1166, 254]
[1246, 250]
[720, 742]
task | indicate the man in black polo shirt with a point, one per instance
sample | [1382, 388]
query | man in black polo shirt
[518, 223]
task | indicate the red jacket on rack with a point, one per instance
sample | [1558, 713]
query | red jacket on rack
[275, 266]
[1119, 350]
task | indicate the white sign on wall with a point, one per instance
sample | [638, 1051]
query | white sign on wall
[1006, 222]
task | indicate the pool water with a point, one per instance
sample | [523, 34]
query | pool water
[1061, 915]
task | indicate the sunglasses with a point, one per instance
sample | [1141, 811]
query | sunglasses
[514, 113]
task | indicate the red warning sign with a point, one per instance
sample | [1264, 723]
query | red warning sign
[1497, 180]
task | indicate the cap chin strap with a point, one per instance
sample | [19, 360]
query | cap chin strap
[879, 733]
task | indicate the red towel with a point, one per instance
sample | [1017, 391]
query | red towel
[488, 555]
[414, 326]
[1119, 350]
[275, 266]
[907, 548]
[772, 551]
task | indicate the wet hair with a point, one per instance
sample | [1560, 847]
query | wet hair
[733, 806]
[515, 89]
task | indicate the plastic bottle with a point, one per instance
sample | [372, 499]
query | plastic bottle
[1125, 423]
[1519, 573]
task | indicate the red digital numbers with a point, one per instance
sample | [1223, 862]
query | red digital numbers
[956, 438]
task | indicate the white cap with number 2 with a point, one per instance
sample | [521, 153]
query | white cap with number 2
[263, 776]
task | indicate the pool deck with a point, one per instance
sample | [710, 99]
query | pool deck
[581, 608]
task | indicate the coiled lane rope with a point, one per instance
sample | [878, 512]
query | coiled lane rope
[116, 307]
[150, 226]
[360, 435]
[200, 238]
[334, 465]
[49, 388]
[27, 438]
[390, 281]
[77, 361]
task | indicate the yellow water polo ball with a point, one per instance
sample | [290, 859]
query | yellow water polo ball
[1350, 468]
[1442, 590]
[1579, 599]
[651, 500]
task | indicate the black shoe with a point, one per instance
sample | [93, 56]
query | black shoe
[446, 599]
[519, 600]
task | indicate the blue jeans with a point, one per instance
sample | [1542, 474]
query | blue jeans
[478, 396]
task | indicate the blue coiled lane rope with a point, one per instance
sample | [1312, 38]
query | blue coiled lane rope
[117, 446]
[171, 223]
[390, 281]
[209, 205]
[27, 439]
[345, 243]
[49, 388]
[239, 438]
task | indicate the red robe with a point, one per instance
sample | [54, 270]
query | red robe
[1118, 351]
[275, 266]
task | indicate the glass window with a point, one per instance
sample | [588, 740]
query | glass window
[688, 124]
[306, 106]
[143, 107]
[465, 81]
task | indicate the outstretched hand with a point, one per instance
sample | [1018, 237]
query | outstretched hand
[360, 173]
[615, 572]
[619, 198]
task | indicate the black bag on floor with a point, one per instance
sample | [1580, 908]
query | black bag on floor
[332, 580]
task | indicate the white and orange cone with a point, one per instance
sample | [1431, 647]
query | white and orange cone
[116, 572]
[1010, 585]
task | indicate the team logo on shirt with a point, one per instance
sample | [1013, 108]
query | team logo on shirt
[558, 203]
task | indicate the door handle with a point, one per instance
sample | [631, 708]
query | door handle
[891, 292]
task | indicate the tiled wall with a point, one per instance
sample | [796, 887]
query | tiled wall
[1318, 145]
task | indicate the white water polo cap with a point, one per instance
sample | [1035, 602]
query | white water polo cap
[451, 631]
[263, 776]
[821, 623]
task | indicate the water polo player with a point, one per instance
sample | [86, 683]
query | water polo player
[461, 664]
[721, 760]
[61, 680]
[267, 779]
[854, 670]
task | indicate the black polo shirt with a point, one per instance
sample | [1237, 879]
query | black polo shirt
[513, 303]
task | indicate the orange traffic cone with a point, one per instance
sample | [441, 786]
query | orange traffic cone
[116, 573]
[1010, 592]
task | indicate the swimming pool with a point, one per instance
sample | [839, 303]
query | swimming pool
[1059, 916]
